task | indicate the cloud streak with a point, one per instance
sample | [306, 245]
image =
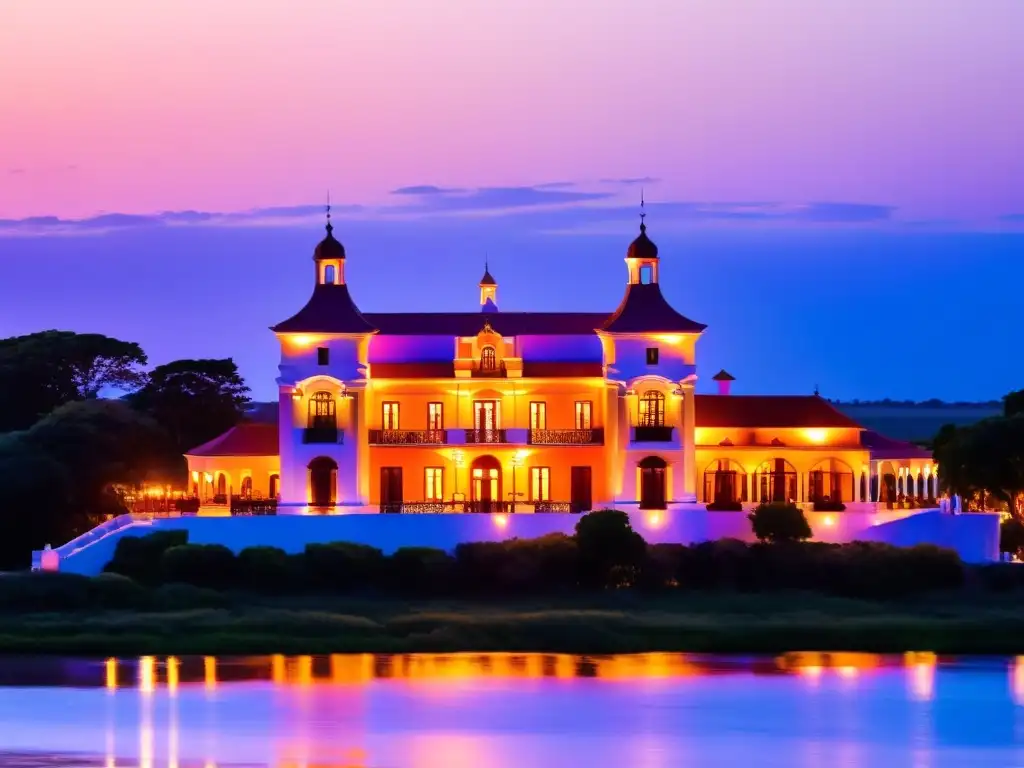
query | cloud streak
[559, 206]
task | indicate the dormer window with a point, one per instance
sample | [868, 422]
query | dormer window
[488, 359]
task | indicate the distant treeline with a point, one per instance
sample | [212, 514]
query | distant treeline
[933, 403]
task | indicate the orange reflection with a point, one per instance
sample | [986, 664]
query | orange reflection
[173, 665]
[110, 670]
[147, 674]
[210, 672]
[1017, 684]
[921, 671]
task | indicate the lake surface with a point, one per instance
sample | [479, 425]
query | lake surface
[505, 710]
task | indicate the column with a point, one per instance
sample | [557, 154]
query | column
[687, 439]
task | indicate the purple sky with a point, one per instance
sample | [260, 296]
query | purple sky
[837, 187]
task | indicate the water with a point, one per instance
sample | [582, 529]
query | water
[505, 711]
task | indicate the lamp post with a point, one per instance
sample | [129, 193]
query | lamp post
[517, 461]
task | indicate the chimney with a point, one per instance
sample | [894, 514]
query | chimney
[725, 380]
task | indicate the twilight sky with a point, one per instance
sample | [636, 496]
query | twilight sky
[837, 187]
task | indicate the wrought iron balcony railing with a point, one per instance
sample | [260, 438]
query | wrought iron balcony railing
[322, 434]
[486, 436]
[566, 436]
[490, 370]
[408, 436]
[652, 434]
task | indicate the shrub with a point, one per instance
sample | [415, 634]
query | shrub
[44, 592]
[779, 521]
[610, 551]
[342, 566]
[421, 570]
[202, 565]
[517, 565]
[186, 597]
[1011, 536]
[116, 592]
[829, 506]
[267, 569]
[138, 557]
[724, 505]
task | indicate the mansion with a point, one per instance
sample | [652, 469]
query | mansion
[533, 412]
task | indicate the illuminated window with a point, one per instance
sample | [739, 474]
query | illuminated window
[584, 408]
[538, 415]
[389, 416]
[540, 483]
[652, 355]
[488, 359]
[329, 274]
[322, 410]
[435, 416]
[246, 487]
[646, 274]
[323, 356]
[652, 409]
[434, 480]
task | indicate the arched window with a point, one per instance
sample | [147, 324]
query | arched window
[652, 409]
[775, 481]
[321, 411]
[725, 483]
[329, 272]
[830, 481]
[488, 359]
[274, 482]
[247, 487]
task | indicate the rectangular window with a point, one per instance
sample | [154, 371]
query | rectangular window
[434, 477]
[538, 415]
[652, 355]
[389, 416]
[435, 416]
[323, 356]
[540, 483]
[584, 409]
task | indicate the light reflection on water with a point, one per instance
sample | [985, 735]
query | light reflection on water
[656, 710]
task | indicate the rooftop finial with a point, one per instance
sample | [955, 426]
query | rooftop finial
[330, 228]
[643, 213]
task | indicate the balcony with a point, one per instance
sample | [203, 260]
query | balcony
[408, 437]
[491, 370]
[322, 434]
[486, 436]
[652, 434]
[566, 437]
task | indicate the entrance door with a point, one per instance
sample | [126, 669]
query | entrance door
[486, 490]
[323, 479]
[391, 489]
[581, 494]
[652, 483]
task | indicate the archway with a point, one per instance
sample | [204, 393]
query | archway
[652, 482]
[725, 482]
[323, 481]
[886, 484]
[222, 485]
[246, 490]
[775, 481]
[275, 480]
[485, 474]
[830, 481]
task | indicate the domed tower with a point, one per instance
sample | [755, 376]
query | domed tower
[488, 291]
[324, 351]
[652, 348]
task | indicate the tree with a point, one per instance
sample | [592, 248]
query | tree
[1013, 403]
[779, 521]
[193, 400]
[99, 443]
[986, 458]
[42, 371]
[610, 551]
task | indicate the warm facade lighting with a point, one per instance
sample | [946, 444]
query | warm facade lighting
[296, 394]
[829, 521]
[195, 476]
[817, 436]
[302, 340]
[501, 521]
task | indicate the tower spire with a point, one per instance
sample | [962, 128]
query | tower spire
[330, 227]
[643, 213]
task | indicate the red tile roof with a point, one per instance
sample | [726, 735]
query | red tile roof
[883, 448]
[645, 310]
[245, 439]
[470, 323]
[768, 411]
